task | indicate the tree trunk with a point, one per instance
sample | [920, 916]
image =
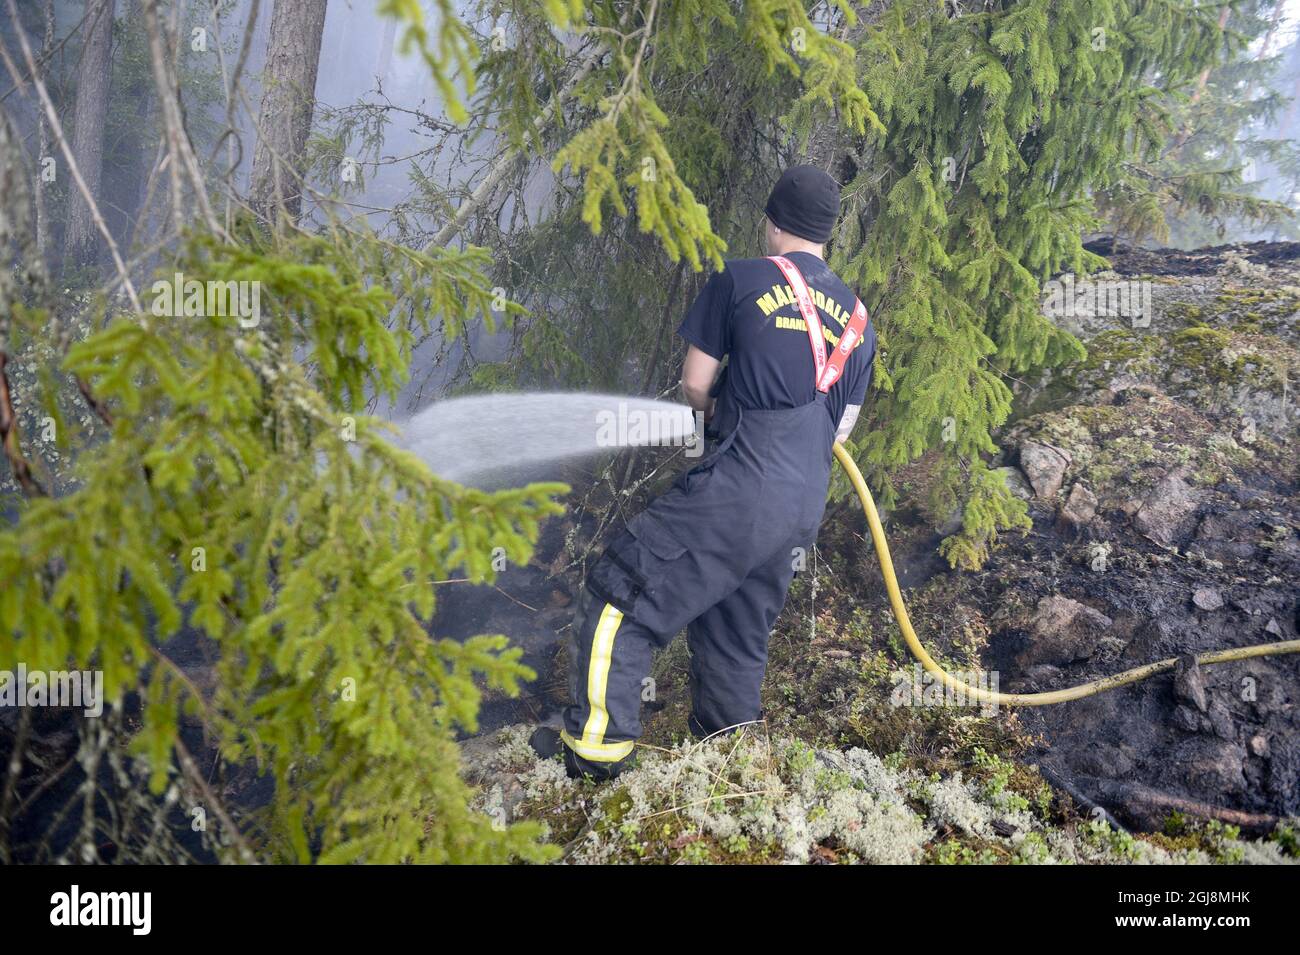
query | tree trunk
[1185, 134]
[287, 103]
[43, 149]
[142, 94]
[81, 240]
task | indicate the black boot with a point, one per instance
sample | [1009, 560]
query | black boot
[579, 768]
[546, 742]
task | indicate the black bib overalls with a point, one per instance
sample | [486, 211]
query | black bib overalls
[715, 555]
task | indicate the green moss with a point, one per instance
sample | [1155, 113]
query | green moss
[956, 852]
[1288, 838]
[1184, 311]
[1113, 842]
[1011, 784]
[1033, 850]
[616, 805]
[1232, 299]
[1120, 346]
[1182, 834]
[759, 799]
[1200, 351]
[1099, 419]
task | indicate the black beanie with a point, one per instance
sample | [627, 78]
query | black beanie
[805, 202]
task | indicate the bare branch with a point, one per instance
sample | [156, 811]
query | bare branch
[180, 152]
[57, 128]
[9, 437]
[509, 161]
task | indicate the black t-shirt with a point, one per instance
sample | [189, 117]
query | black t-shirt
[748, 311]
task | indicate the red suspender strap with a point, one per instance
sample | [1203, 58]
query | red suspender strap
[849, 339]
[828, 371]
[806, 308]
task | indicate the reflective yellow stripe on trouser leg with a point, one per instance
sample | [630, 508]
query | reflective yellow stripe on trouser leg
[592, 746]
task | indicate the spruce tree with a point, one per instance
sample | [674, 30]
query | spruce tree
[226, 483]
[971, 142]
[1206, 172]
[998, 122]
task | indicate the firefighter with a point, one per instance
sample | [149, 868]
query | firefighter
[716, 553]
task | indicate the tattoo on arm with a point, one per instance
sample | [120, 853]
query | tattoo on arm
[847, 422]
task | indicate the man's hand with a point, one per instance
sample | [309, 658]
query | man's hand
[699, 372]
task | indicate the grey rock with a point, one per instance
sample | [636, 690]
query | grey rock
[1105, 761]
[1062, 631]
[1080, 507]
[1211, 765]
[1207, 598]
[1221, 721]
[1167, 511]
[1044, 465]
[1245, 495]
[1232, 535]
[1189, 683]
[1123, 382]
[1110, 648]
[952, 524]
[1257, 603]
[1043, 673]
[1188, 719]
[1016, 483]
[1284, 770]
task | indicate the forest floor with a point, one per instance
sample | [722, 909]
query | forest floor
[1162, 481]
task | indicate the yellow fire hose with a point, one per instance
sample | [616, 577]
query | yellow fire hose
[1017, 699]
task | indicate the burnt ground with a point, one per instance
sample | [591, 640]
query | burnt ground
[1161, 479]
[1226, 736]
[1132, 260]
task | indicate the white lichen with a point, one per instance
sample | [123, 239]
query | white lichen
[787, 801]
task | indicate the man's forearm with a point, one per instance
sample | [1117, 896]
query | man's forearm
[698, 399]
[700, 372]
[847, 421]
